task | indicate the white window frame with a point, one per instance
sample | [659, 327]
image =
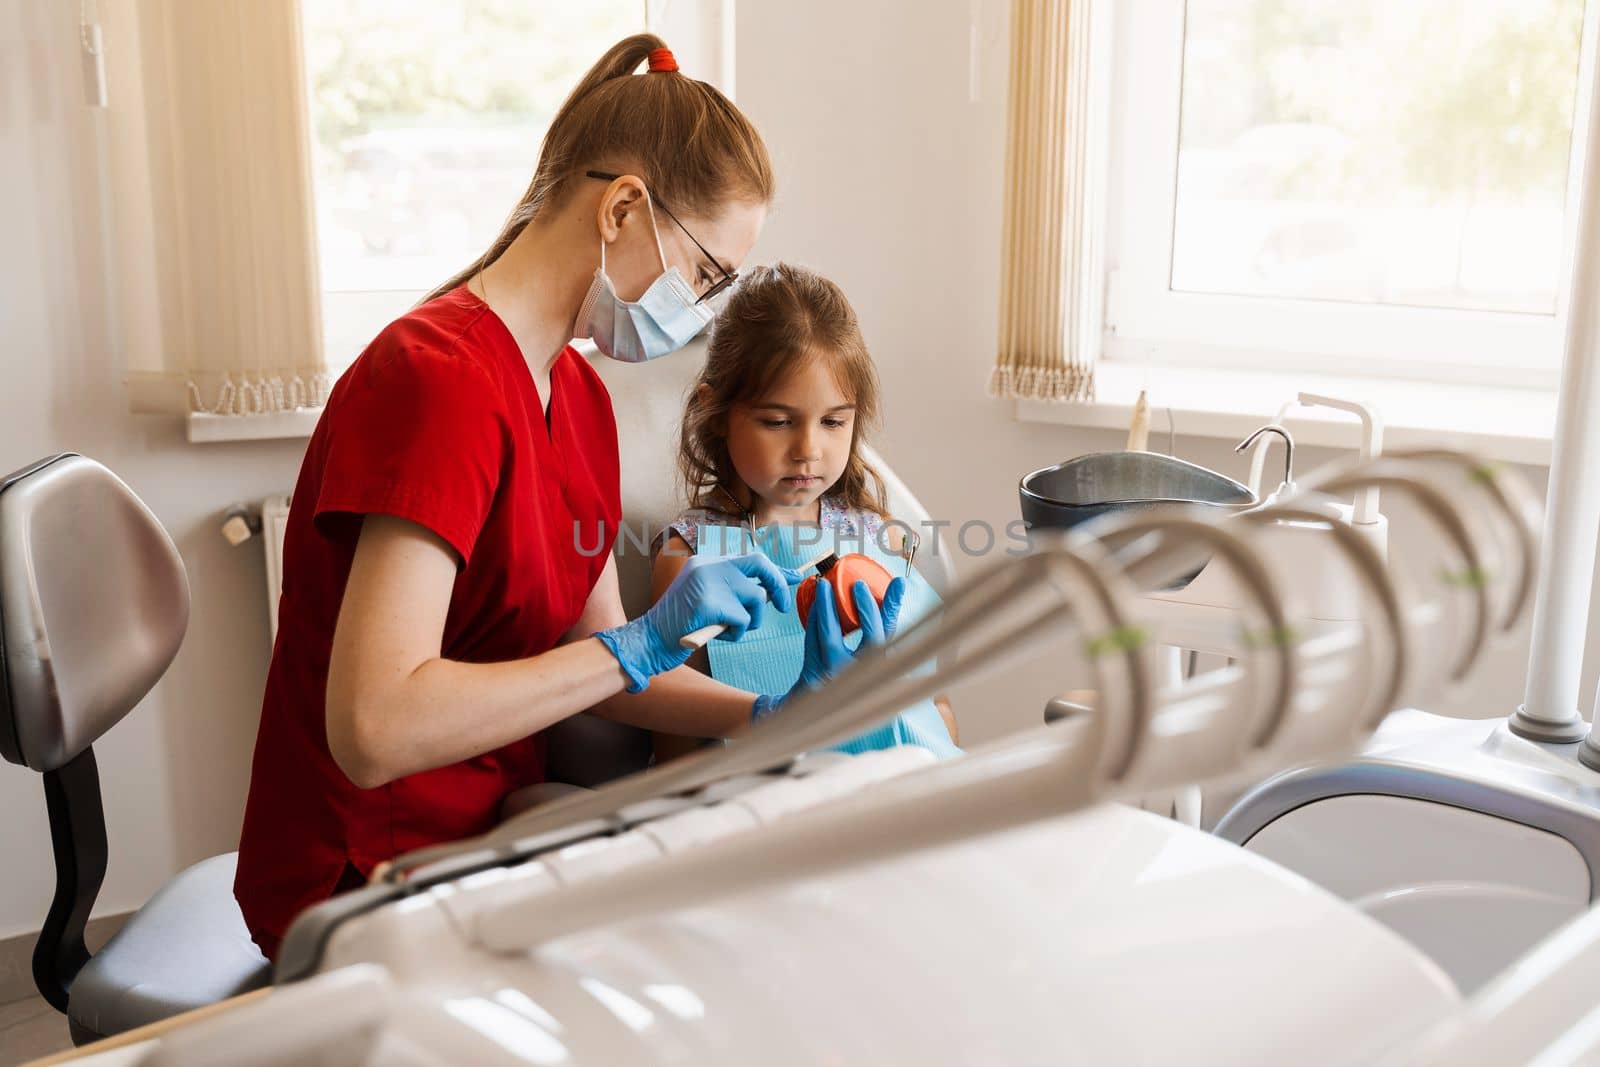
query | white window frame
[702, 35]
[1148, 322]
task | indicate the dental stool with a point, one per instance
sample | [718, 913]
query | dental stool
[586, 750]
[93, 606]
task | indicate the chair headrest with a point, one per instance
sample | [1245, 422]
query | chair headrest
[648, 400]
[93, 606]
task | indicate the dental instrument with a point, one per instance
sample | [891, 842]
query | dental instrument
[913, 542]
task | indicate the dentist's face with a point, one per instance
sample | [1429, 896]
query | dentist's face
[791, 445]
[633, 262]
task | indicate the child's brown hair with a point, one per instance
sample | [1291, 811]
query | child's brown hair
[777, 319]
[692, 147]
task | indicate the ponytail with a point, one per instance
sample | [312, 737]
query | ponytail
[693, 148]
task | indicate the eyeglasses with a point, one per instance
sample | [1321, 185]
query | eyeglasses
[719, 287]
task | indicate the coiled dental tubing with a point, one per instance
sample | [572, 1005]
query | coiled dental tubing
[1289, 695]
[1287, 702]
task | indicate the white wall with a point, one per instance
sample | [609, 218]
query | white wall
[174, 772]
[890, 181]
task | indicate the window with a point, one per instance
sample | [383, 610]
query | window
[427, 117]
[1366, 187]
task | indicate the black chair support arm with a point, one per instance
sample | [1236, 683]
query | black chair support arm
[78, 838]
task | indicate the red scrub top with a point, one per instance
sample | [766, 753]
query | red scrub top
[438, 422]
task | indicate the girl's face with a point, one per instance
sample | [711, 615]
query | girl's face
[790, 446]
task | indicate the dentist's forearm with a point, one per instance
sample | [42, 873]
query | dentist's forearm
[682, 701]
[445, 711]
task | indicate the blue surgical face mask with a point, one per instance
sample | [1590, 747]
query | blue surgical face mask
[661, 321]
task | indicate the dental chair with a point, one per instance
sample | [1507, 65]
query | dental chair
[648, 398]
[93, 606]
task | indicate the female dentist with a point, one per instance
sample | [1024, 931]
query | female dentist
[449, 589]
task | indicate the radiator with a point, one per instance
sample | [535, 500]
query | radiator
[274, 520]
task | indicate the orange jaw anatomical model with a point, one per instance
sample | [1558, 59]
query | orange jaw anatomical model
[843, 573]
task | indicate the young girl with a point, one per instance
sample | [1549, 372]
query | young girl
[772, 430]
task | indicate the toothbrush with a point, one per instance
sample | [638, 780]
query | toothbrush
[699, 637]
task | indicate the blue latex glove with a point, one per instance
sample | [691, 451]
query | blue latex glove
[826, 654]
[731, 592]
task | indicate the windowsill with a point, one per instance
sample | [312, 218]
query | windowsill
[273, 425]
[1513, 425]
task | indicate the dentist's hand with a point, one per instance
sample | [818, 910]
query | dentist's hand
[707, 592]
[825, 651]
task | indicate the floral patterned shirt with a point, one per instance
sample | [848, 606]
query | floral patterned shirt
[850, 522]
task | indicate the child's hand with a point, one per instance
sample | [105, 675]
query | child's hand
[879, 624]
[825, 651]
